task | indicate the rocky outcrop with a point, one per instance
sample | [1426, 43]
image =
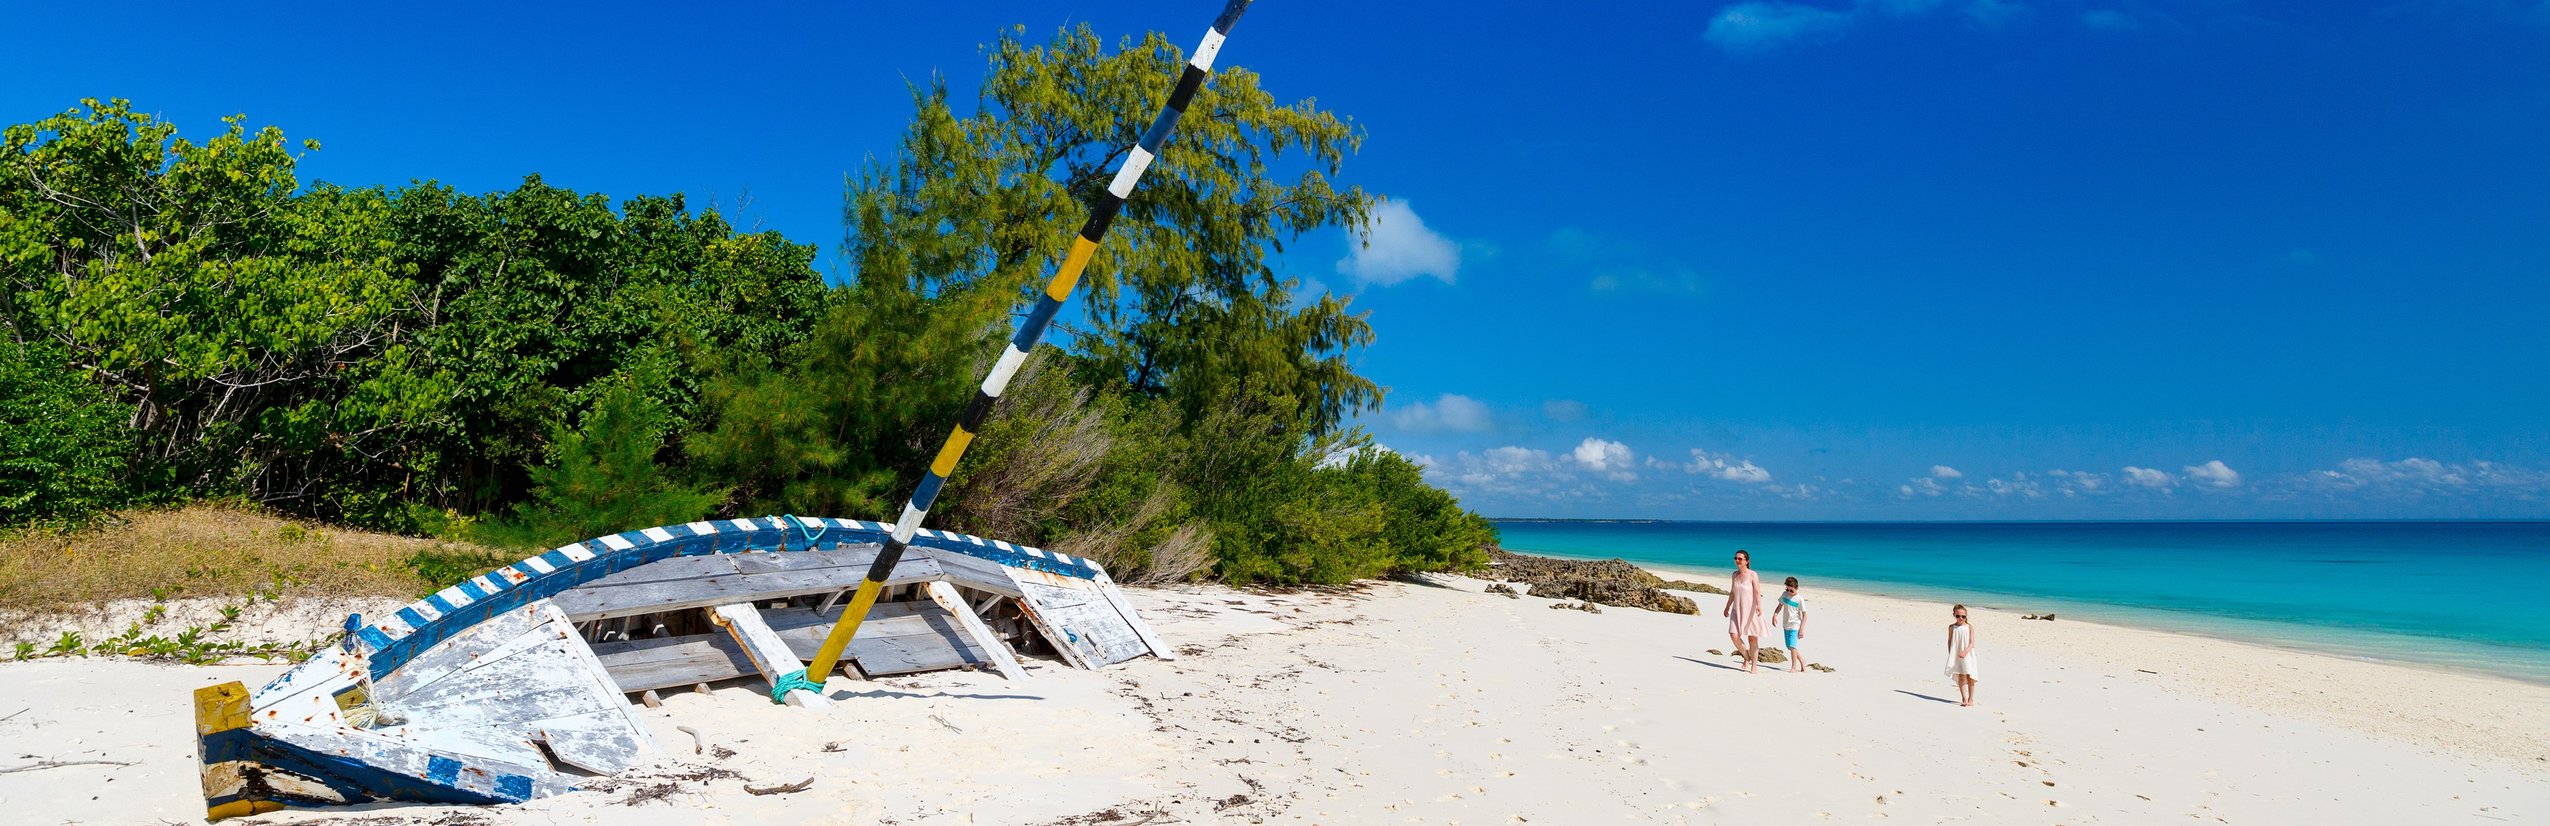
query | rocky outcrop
[1608, 581]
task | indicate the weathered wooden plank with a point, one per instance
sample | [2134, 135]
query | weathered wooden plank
[770, 654]
[510, 689]
[990, 644]
[1115, 597]
[1035, 613]
[674, 662]
[896, 638]
[607, 746]
[973, 572]
[598, 600]
[857, 555]
[890, 639]
[601, 742]
[677, 568]
[478, 643]
[1081, 620]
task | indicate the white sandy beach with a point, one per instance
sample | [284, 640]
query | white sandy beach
[1408, 703]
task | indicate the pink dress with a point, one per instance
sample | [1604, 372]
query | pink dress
[1746, 620]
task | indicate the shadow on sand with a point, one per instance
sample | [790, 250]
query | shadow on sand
[841, 695]
[1708, 663]
[1926, 697]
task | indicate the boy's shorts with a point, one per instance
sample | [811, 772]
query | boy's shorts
[1791, 634]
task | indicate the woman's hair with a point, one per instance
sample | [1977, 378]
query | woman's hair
[1960, 607]
[1744, 553]
[1792, 582]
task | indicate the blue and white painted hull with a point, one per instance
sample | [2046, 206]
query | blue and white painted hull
[487, 692]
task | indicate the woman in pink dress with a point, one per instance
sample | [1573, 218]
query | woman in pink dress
[1744, 610]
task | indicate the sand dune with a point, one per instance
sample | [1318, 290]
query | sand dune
[1410, 703]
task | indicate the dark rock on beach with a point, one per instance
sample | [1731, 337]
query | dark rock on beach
[1687, 585]
[1607, 581]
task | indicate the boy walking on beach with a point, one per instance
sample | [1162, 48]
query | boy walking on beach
[1791, 615]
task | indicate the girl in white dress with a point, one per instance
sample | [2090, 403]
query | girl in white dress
[1961, 662]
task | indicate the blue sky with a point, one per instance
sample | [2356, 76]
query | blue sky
[1871, 259]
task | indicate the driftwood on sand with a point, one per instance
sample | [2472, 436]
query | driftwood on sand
[56, 764]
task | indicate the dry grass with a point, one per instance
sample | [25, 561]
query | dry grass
[209, 551]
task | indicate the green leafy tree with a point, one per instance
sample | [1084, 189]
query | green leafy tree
[63, 446]
[537, 293]
[1182, 298]
[256, 329]
[606, 478]
[842, 421]
[1424, 527]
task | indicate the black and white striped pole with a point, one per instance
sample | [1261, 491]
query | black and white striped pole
[1030, 331]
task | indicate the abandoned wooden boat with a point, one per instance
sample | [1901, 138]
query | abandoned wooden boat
[515, 684]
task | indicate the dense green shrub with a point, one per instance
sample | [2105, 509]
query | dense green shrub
[605, 478]
[538, 365]
[64, 447]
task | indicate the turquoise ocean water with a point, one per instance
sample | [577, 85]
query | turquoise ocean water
[2468, 595]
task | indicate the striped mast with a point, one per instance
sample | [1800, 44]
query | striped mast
[1030, 331]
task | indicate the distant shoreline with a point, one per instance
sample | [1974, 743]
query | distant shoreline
[2207, 627]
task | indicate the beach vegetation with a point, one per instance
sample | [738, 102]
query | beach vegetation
[64, 446]
[192, 323]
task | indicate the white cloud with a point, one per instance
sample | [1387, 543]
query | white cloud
[2213, 474]
[2080, 480]
[2110, 20]
[1508, 469]
[1533, 473]
[1511, 459]
[1762, 25]
[1397, 246]
[1563, 410]
[1339, 456]
[2147, 477]
[1922, 487]
[2018, 485]
[2421, 479]
[1612, 459]
[1945, 472]
[1756, 26]
[1726, 467]
[1665, 278]
[1450, 413]
[2421, 473]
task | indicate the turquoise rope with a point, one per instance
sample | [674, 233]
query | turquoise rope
[811, 535]
[792, 681]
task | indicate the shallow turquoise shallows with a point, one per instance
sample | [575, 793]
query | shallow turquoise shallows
[2470, 595]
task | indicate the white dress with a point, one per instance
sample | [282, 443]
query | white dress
[1958, 636]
